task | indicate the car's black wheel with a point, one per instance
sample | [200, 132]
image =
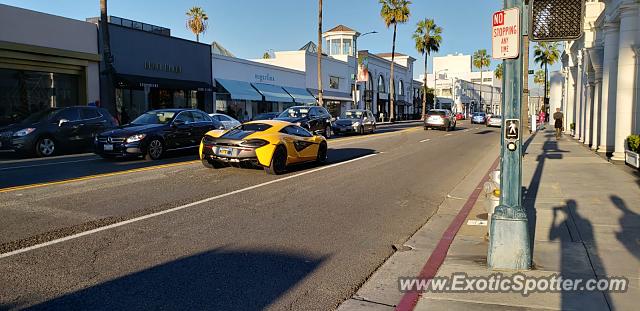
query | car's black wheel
[45, 147]
[155, 149]
[454, 126]
[322, 153]
[373, 129]
[278, 161]
[361, 130]
[212, 164]
[447, 128]
[327, 131]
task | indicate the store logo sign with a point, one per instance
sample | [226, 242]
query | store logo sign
[265, 77]
[162, 67]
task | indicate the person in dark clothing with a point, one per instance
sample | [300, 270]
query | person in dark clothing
[558, 116]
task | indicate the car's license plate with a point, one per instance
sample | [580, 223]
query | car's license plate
[224, 151]
[108, 147]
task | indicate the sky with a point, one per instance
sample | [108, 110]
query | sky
[248, 28]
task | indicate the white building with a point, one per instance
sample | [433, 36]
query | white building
[453, 78]
[375, 74]
[601, 77]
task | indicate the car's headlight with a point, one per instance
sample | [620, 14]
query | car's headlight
[357, 123]
[24, 132]
[135, 138]
[299, 123]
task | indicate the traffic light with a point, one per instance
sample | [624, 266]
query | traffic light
[556, 20]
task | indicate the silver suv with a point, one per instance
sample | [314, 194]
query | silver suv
[440, 118]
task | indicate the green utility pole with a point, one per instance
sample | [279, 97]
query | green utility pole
[509, 245]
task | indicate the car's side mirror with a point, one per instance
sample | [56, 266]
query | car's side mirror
[221, 127]
[62, 121]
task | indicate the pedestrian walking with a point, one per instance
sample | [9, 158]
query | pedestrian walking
[541, 117]
[558, 117]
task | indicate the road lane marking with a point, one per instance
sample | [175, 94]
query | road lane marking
[425, 140]
[466, 130]
[67, 181]
[46, 164]
[178, 208]
[448, 134]
[375, 135]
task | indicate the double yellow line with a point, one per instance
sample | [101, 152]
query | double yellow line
[156, 167]
[66, 181]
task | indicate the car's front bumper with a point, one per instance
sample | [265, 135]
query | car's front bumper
[344, 129]
[120, 149]
[19, 144]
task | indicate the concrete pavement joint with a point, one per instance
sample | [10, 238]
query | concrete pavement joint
[175, 209]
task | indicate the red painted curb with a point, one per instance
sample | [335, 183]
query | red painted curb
[430, 269]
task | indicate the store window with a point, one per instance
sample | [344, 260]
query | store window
[334, 82]
[23, 93]
[335, 47]
[381, 85]
[400, 88]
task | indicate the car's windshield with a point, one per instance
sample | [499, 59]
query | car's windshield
[352, 114]
[437, 112]
[154, 117]
[295, 112]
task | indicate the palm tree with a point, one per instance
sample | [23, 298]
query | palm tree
[320, 99]
[539, 78]
[427, 37]
[481, 60]
[499, 72]
[394, 12]
[197, 21]
[266, 55]
[106, 56]
[546, 54]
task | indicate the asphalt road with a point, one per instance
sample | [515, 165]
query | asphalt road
[180, 236]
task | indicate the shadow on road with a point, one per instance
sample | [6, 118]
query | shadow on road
[214, 280]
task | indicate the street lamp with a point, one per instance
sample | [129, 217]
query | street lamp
[435, 86]
[355, 77]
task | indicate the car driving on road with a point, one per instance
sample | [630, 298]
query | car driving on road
[271, 144]
[495, 120]
[478, 118]
[441, 119]
[47, 132]
[155, 132]
[313, 118]
[358, 121]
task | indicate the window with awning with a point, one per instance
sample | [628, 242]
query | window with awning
[273, 93]
[240, 90]
[301, 96]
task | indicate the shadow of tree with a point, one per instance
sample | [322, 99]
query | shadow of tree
[213, 280]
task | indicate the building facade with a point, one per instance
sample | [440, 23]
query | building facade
[601, 75]
[154, 70]
[45, 61]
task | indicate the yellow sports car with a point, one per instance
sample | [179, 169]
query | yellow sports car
[270, 144]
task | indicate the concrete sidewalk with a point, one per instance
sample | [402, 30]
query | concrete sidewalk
[586, 215]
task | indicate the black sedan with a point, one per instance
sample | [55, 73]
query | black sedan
[313, 118]
[155, 132]
[49, 131]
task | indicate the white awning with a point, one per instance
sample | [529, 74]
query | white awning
[240, 90]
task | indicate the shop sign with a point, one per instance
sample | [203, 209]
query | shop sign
[162, 67]
[264, 77]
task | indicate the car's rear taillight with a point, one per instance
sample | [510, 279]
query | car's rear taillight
[254, 143]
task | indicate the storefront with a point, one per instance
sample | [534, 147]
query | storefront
[245, 88]
[154, 70]
[45, 61]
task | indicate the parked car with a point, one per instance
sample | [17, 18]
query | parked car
[441, 119]
[494, 120]
[460, 116]
[478, 118]
[271, 144]
[355, 121]
[226, 120]
[155, 132]
[266, 116]
[313, 118]
[47, 132]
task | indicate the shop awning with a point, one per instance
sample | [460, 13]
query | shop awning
[332, 95]
[301, 96]
[273, 93]
[240, 90]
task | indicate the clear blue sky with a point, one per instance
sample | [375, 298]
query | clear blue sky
[248, 28]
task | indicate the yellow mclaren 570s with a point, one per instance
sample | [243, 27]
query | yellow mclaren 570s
[270, 144]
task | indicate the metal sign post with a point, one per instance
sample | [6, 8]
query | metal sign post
[509, 245]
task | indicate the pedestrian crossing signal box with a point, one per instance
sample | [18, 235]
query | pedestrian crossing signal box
[512, 129]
